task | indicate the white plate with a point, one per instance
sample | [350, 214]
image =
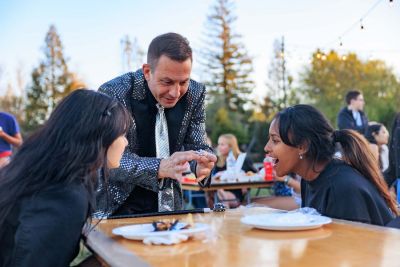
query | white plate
[141, 231]
[285, 221]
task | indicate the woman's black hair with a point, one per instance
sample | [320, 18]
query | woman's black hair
[371, 130]
[304, 125]
[72, 145]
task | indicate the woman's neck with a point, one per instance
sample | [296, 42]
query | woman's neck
[309, 172]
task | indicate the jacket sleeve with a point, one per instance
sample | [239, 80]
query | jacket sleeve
[344, 121]
[393, 172]
[195, 138]
[134, 170]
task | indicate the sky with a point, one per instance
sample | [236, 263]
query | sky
[91, 32]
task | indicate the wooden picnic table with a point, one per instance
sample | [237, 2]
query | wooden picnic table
[215, 185]
[341, 243]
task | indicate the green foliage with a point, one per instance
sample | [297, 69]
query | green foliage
[37, 108]
[13, 104]
[330, 76]
[225, 121]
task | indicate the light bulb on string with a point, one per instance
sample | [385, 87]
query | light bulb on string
[390, 3]
[340, 42]
[361, 25]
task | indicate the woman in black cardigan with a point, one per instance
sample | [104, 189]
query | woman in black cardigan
[46, 192]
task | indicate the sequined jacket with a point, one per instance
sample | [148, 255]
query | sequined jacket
[142, 171]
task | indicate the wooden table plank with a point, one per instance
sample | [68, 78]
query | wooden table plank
[226, 186]
[338, 244]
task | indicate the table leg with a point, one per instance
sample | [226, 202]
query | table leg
[190, 198]
[248, 196]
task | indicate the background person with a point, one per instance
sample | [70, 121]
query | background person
[10, 137]
[392, 174]
[378, 136]
[353, 117]
[228, 143]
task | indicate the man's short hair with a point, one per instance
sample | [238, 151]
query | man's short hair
[353, 94]
[172, 45]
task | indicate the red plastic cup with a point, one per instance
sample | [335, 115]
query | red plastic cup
[268, 167]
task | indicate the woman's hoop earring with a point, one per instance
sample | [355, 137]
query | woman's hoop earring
[300, 156]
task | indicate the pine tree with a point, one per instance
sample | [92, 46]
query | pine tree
[226, 61]
[280, 93]
[37, 100]
[51, 81]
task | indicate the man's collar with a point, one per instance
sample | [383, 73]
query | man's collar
[139, 85]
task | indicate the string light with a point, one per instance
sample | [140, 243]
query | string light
[390, 3]
[358, 22]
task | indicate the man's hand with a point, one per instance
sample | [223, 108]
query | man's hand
[205, 164]
[176, 164]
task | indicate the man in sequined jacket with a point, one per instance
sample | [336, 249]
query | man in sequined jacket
[141, 183]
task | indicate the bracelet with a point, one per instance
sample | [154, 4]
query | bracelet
[286, 180]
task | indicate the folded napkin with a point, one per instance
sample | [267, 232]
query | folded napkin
[171, 239]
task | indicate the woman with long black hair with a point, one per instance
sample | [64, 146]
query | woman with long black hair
[47, 190]
[303, 142]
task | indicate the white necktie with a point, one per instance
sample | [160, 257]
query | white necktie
[162, 142]
[166, 192]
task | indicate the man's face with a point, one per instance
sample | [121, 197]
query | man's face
[169, 81]
[358, 103]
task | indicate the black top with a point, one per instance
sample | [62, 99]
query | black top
[393, 172]
[247, 166]
[343, 193]
[142, 200]
[346, 120]
[45, 229]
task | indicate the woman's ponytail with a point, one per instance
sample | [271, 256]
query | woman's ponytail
[357, 153]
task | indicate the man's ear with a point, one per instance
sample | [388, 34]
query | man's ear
[146, 71]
